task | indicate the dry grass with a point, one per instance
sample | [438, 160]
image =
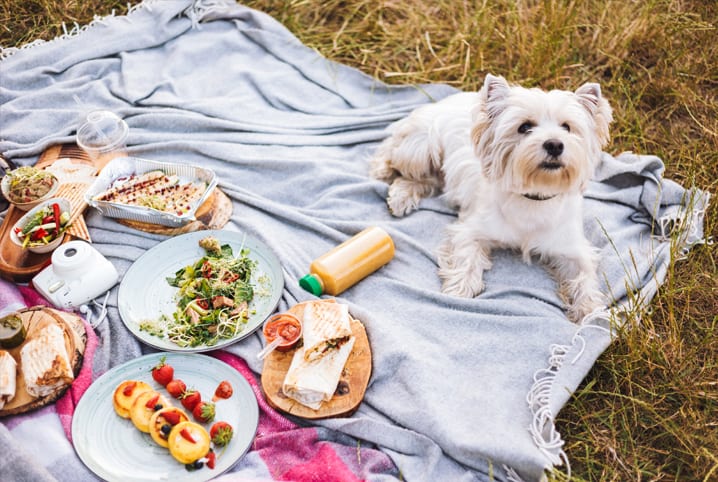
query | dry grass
[648, 411]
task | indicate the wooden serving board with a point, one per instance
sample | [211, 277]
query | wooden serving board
[35, 319]
[352, 383]
[20, 265]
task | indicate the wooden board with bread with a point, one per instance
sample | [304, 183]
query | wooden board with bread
[353, 379]
[44, 363]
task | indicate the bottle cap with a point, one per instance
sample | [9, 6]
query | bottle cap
[312, 284]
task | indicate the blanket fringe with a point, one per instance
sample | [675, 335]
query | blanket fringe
[686, 225]
[543, 429]
[77, 29]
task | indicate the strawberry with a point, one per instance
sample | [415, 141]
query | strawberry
[190, 398]
[162, 372]
[211, 459]
[172, 417]
[152, 402]
[224, 390]
[203, 412]
[176, 388]
[129, 388]
[221, 433]
[187, 435]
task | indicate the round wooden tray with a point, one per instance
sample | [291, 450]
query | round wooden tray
[35, 319]
[214, 213]
[352, 383]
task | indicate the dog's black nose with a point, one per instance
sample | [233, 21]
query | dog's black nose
[554, 147]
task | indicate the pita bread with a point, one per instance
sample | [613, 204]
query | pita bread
[313, 382]
[8, 372]
[45, 364]
[325, 327]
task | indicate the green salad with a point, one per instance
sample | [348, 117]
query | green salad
[213, 298]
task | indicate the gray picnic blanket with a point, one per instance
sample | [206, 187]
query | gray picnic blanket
[461, 389]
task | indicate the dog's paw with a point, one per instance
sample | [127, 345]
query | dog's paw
[462, 287]
[380, 168]
[585, 305]
[401, 198]
[460, 283]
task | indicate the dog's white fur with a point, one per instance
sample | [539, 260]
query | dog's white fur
[495, 155]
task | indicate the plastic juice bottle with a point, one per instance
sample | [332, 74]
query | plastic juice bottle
[348, 263]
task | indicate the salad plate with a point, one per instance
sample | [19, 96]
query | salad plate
[111, 446]
[145, 295]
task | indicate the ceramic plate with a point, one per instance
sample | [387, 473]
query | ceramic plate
[144, 293]
[115, 450]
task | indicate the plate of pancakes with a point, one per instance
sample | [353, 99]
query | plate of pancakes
[113, 428]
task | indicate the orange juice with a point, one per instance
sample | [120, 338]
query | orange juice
[348, 263]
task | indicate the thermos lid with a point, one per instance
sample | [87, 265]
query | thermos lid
[312, 284]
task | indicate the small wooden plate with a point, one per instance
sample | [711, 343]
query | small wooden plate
[352, 383]
[35, 319]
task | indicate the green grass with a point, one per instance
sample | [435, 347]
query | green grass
[648, 410]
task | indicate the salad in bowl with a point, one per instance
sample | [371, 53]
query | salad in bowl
[42, 229]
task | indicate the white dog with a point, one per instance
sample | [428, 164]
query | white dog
[514, 162]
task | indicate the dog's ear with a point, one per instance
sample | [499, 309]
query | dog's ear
[589, 95]
[493, 94]
[491, 103]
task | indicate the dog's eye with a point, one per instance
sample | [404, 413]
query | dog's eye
[566, 126]
[525, 127]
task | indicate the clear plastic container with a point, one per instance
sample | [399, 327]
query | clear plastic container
[348, 263]
[103, 136]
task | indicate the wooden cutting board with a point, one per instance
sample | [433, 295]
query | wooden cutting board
[352, 383]
[34, 320]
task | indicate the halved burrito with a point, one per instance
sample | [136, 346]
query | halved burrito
[325, 328]
[8, 372]
[45, 363]
[313, 382]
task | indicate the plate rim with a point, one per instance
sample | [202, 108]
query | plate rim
[152, 358]
[238, 236]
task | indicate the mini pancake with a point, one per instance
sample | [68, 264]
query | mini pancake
[167, 417]
[125, 394]
[144, 406]
[184, 450]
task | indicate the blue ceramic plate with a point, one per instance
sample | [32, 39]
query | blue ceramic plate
[111, 446]
[144, 293]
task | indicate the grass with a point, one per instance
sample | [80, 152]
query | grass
[648, 410]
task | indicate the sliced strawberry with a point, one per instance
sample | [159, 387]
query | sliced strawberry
[187, 435]
[129, 388]
[224, 390]
[152, 401]
[211, 459]
[171, 417]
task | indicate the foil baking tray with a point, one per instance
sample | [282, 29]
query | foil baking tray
[123, 167]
